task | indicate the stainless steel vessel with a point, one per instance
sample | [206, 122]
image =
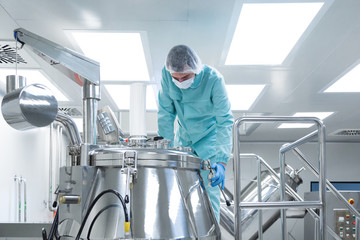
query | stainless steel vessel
[269, 193]
[30, 106]
[166, 200]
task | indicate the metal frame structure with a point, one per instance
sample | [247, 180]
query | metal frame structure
[283, 205]
[82, 70]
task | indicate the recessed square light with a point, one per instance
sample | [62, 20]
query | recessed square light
[242, 97]
[349, 82]
[121, 55]
[266, 32]
[320, 115]
[33, 76]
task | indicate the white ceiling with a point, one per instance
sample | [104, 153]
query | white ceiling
[330, 47]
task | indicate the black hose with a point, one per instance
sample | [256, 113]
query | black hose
[93, 204]
[43, 234]
[54, 226]
[97, 215]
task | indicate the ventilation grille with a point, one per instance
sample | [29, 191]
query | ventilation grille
[8, 55]
[346, 132]
[71, 111]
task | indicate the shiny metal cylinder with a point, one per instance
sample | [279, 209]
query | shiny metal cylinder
[28, 107]
[14, 82]
[166, 198]
[91, 96]
[69, 199]
[270, 192]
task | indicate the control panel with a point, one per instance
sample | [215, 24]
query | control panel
[345, 224]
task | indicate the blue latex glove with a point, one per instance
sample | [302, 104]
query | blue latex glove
[219, 175]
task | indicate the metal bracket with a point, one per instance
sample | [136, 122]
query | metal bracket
[129, 167]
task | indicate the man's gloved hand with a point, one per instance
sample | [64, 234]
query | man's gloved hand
[219, 175]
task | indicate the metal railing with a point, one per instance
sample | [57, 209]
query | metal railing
[332, 189]
[261, 162]
[282, 205]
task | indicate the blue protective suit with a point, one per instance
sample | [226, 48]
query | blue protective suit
[204, 120]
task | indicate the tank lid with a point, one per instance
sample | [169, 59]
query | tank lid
[110, 156]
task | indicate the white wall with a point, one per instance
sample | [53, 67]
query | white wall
[26, 154]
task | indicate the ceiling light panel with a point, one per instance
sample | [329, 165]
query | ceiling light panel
[320, 115]
[121, 96]
[349, 82]
[266, 32]
[33, 76]
[242, 97]
[121, 55]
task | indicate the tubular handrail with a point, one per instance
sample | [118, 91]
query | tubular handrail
[290, 191]
[285, 204]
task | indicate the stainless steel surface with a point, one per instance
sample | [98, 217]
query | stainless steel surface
[14, 82]
[82, 70]
[166, 200]
[70, 125]
[112, 137]
[237, 186]
[69, 199]
[332, 203]
[50, 176]
[72, 64]
[303, 158]
[345, 224]
[28, 107]
[105, 123]
[269, 188]
[91, 96]
[112, 156]
[137, 140]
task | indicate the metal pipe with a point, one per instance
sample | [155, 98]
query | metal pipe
[19, 199]
[82, 70]
[331, 187]
[14, 82]
[277, 178]
[322, 177]
[301, 141]
[91, 96]
[60, 141]
[237, 178]
[75, 66]
[23, 181]
[290, 190]
[51, 157]
[283, 149]
[282, 196]
[71, 128]
[259, 199]
[236, 147]
[317, 227]
[281, 205]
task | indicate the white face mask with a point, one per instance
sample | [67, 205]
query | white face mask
[185, 84]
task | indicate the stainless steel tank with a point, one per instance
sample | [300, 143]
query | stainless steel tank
[166, 200]
[270, 192]
[30, 106]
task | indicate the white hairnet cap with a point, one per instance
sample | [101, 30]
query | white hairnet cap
[182, 59]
